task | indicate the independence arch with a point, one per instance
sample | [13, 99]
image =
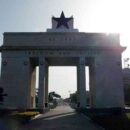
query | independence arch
[62, 45]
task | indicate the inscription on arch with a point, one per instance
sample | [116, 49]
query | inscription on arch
[62, 53]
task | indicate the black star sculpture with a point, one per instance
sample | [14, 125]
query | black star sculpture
[62, 21]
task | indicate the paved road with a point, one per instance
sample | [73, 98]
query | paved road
[61, 118]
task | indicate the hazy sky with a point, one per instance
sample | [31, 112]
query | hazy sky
[89, 16]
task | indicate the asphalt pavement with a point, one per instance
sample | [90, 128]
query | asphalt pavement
[61, 118]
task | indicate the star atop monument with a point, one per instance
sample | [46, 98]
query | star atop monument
[62, 24]
[62, 21]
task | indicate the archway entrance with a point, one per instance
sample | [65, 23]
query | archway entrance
[62, 45]
[80, 74]
[63, 80]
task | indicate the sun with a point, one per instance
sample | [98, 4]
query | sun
[111, 16]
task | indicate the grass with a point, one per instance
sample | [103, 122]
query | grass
[113, 122]
[128, 115]
[15, 120]
[112, 119]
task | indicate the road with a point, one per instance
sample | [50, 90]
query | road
[61, 118]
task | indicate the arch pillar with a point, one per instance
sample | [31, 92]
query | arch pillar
[108, 81]
[41, 91]
[81, 83]
[46, 84]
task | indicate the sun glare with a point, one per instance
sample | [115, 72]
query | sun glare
[111, 16]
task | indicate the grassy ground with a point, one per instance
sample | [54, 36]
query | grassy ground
[23, 116]
[16, 119]
[128, 115]
[113, 120]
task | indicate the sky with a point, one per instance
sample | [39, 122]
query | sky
[89, 16]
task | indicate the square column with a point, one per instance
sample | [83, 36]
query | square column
[15, 80]
[46, 86]
[81, 83]
[108, 81]
[32, 91]
[41, 91]
[92, 87]
[78, 101]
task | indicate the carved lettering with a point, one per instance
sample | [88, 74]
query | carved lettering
[63, 53]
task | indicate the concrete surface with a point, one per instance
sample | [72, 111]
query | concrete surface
[61, 118]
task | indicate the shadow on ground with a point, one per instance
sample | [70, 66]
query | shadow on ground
[61, 118]
[109, 119]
